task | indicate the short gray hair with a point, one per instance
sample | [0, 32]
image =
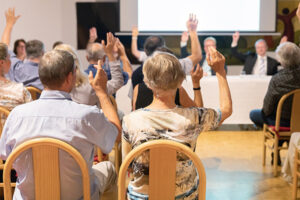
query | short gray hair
[288, 54]
[163, 71]
[3, 51]
[54, 67]
[34, 49]
[260, 40]
[210, 38]
[95, 52]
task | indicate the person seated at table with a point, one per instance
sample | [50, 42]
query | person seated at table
[83, 92]
[257, 63]
[20, 49]
[55, 115]
[143, 96]
[208, 42]
[11, 93]
[163, 119]
[286, 80]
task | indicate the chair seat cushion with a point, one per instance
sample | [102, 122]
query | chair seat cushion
[281, 128]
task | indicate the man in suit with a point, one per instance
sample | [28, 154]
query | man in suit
[255, 63]
[208, 42]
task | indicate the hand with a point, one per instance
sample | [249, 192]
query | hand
[298, 12]
[135, 31]
[184, 36]
[197, 74]
[215, 60]
[99, 83]
[11, 19]
[192, 23]
[121, 48]
[110, 43]
[284, 39]
[236, 37]
[93, 35]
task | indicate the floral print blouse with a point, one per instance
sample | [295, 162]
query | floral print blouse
[179, 124]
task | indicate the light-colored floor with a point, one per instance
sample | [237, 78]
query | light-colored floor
[233, 163]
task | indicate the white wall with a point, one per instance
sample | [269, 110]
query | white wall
[45, 20]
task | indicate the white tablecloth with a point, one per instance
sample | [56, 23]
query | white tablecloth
[247, 93]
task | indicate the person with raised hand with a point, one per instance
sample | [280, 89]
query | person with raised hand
[123, 58]
[257, 63]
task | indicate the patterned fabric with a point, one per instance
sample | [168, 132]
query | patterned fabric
[281, 83]
[11, 95]
[179, 124]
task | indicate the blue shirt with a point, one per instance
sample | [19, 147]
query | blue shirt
[56, 115]
[26, 72]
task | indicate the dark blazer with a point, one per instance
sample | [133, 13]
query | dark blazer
[184, 53]
[250, 59]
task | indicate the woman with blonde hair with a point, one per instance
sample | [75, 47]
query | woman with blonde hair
[83, 92]
[163, 119]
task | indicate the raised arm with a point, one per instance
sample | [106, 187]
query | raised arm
[196, 55]
[134, 46]
[11, 19]
[196, 77]
[298, 12]
[234, 48]
[123, 57]
[99, 85]
[217, 61]
[117, 79]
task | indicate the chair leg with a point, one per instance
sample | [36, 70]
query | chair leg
[264, 146]
[295, 177]
[275, 160]
[117, 157]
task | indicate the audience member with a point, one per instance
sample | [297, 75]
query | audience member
[95, 52]
[56, 115]
[20, 49]
[255, 63]
[23, 72]
[153, 42]
[11, 93]
[83, 92]
[162, 119]
[208, 42]
[143, 96]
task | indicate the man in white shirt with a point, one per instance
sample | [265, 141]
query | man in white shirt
[56, 115]
[255, 63]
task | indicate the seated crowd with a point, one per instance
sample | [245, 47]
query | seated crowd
[75, 105]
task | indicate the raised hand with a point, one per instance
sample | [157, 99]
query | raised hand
[197, 74]
[215, 60]
[121, 48]
[192, 23]
[110, 43]
[135, 31]
[236, 37]
[10, 16]
[93, 35]
[298, 12]
[283, 39]
[184, 36]
[99, 83]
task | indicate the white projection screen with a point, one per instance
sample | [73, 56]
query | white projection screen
[213, 15]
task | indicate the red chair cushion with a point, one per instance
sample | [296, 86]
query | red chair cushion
[281, 128]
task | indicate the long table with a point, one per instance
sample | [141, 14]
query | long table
[247, 93]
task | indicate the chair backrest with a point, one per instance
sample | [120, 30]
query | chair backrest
[45, 155]
[34, 92]
[3, 113]
[162, 169]
[295, 112]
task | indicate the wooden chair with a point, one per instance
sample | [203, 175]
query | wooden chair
[3, 113]
[46, 168]
[277, 133]
[162, 169]
[35, 93]
[116, 148]
[296, 174]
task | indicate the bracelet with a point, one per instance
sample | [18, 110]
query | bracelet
[134, 38]
[199, 88]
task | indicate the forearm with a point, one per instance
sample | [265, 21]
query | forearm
[117, 79]
[134, 48]
[196, 55]
[197, 95]
[126, 65]
[109, 111]
[225, 96]
[7, 34]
